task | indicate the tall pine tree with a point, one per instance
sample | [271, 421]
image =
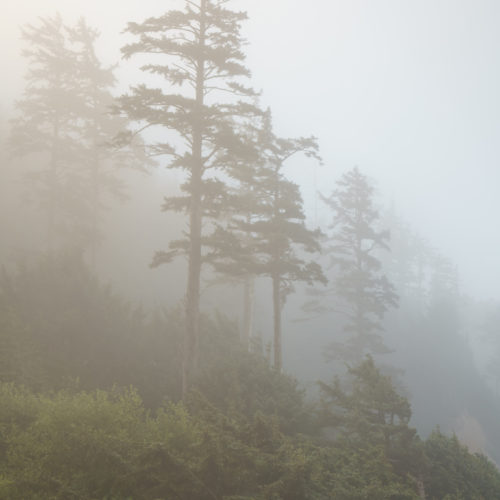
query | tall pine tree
[198, 50]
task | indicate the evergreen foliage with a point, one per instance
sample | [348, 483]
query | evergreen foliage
[456, 473]
[60, 327]
[374, 414]
[267, 235]
[104, 444]
[99, 400]
[245, 433]
[65, 128]
[197, 50]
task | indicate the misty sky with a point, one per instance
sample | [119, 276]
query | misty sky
[408, 90]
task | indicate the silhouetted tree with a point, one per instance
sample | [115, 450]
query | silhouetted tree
[199, 51]
[267, 233]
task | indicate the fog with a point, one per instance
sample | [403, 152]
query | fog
[404, 92]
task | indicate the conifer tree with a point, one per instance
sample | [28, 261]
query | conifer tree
[361, 291]
[65, 128]
[267, 234]
[408, 266]
[372, 413]
[232, 242]
[103, 154]
[197, 49]
[46, 121]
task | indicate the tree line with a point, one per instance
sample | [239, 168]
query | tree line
[247, 433]
[245, 218]
[70, 427]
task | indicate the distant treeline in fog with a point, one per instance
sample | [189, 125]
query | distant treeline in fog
[200, 377]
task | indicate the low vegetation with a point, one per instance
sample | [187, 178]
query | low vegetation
[245, 432]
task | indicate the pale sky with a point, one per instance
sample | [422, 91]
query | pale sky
[407, 90]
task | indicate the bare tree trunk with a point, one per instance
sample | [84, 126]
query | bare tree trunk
[52, 187]
[278, 361]
[96, 198]
[191, 339]
[248, 310]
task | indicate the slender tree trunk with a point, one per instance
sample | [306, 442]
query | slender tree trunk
[94, 236]
[278, 361]
[52, 187]
[360, 313]
[360, 339]
[248, 309]
[276, 277]
[191, 339]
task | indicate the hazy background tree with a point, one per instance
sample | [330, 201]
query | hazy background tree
[64, 129]
[59, 322]
[436, 335]
[408, 264]
[104, 155]
[491, 335]
[360, 290]
[46, 124]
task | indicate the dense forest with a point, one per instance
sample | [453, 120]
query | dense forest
[266, 353]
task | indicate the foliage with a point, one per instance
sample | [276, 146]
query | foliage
[104, 445]
[197, 50]
[353, 473]
[237, 438]
[69, 345]
[78, 447]
[64, 127]
[372, 414]
[432, 334]
[71, 326]
[234, 379]
[455, 473]
[59, 324]
[266, 234]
